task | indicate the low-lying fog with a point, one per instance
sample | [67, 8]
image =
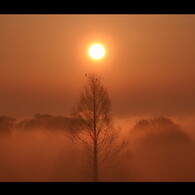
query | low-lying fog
[157, 149]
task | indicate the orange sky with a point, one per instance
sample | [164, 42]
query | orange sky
[149, 67]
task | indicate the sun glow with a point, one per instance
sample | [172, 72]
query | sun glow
[96, 51]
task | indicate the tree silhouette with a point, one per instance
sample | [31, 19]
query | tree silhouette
[46, 121]
[94, 129]
[161, 130]
[6, 124]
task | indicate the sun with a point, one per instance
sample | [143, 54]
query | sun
[96, 51]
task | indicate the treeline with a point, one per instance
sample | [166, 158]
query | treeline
[164, 122]
[161, 129]
[160, 126]
[38, 121]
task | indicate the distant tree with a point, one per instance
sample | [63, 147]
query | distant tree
[46, 121]
[6, 123]
[161, 128]
[38, 121]
[157, 122]
[94, 129]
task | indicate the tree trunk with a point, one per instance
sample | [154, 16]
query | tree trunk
[95, 163]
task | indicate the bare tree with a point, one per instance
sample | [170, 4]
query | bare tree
[94, 129]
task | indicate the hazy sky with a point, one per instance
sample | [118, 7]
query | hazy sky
[149, 67]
